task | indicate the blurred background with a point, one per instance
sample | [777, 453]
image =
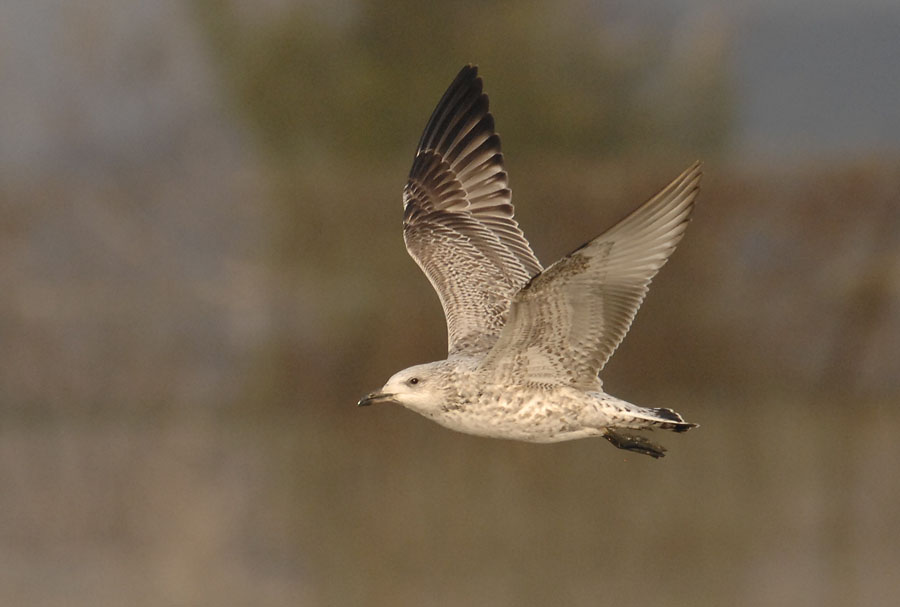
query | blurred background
[202, 269]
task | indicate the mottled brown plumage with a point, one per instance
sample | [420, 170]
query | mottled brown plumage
[525, 345]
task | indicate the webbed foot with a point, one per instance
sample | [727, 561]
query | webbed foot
[633, 442]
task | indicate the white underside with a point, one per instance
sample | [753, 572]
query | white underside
[545, 416]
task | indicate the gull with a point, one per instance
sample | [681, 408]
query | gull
[525, 344]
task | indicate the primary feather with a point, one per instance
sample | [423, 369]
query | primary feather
[458, 219]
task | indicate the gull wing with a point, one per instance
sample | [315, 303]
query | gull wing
[458, 219]
[566, 322]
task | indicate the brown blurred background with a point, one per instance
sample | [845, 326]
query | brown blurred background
[202, 269]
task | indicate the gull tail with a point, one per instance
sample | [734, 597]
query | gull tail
[673, 420]
[616, 414]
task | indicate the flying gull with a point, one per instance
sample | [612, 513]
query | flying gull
[525, 344]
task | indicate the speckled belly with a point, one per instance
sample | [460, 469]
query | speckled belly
[533, 415]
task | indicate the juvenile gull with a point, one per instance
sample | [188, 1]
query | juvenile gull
[525, 344]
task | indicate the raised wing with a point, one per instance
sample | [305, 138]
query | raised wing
[458, 219]
[566, 322]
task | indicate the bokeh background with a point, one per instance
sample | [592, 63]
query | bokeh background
[201, 270]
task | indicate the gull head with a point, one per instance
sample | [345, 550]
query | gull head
[422, 388]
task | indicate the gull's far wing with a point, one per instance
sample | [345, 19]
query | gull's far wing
[458, 219]
[566, 322]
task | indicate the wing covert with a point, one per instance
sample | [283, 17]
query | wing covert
[565, 324]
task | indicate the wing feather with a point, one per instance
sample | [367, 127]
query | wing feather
[565, 324]
[458, 220]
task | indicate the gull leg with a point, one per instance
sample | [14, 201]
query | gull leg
[633, 442]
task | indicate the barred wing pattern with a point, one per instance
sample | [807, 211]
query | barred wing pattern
[566, 322]
[458, 219]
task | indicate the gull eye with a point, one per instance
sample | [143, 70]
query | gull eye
[413, 381]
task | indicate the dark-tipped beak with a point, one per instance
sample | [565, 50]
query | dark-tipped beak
[374, 398]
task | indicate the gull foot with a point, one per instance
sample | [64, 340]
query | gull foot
[633, 442]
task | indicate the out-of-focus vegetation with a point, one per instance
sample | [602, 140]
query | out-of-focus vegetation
[343, 83]
[204, 270]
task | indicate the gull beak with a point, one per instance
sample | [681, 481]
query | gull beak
[374, 398]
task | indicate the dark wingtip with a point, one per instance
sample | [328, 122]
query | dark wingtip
[469, 72]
